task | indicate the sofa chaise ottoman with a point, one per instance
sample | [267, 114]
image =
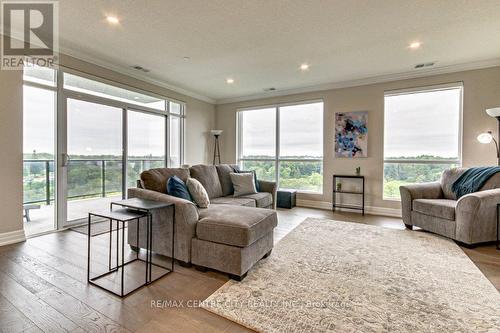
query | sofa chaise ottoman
[231, 235]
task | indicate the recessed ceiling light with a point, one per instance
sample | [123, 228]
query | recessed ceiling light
[415, 45]
[229, 81]
[112, 19]
[136, 97]
[304, 67]
[186, 58]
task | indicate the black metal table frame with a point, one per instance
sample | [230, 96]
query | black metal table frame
[149, 238]
[149, 249]
[335, 191]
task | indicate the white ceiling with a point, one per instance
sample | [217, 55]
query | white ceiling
[261, 43]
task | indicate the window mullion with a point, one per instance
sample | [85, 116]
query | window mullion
[277, 151]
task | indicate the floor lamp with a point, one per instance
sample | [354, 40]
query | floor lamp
[216, 134]
[488, 136]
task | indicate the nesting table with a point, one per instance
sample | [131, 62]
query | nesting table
[122, 212]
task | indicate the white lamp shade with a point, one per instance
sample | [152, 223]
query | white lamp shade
[485, 137]
[493, 112]
[216, 132]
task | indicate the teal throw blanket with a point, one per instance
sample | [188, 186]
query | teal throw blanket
[472, 180]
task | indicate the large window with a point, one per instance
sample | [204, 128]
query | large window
[422, 135]
[146, 143]
[284, 143]
[176, 134]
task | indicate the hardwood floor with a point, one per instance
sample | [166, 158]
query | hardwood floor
[43, 285]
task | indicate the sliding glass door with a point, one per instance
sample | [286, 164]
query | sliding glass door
[146, 135]
[94, 158]
[86, 141]
[39, 158]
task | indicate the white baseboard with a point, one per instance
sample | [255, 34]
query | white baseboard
[314, 204]
[382, 211]
[12, 237]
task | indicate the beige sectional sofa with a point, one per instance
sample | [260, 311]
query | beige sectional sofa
[231, 235]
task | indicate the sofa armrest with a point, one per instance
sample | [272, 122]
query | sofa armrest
[269, 187]
[417, 191]
[156, 196]
[186, 218]
[476, 216]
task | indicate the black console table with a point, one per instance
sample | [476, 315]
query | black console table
[335, 192]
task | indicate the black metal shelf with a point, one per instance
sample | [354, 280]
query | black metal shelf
[348, 192]
[347, 206]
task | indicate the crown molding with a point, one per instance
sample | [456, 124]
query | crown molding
[134, 74]
[367, 81]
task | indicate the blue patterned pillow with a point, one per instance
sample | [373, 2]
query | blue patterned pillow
[177, 188]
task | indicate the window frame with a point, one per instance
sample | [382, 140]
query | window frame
[277, 158]
[129, 106]
[416, 90]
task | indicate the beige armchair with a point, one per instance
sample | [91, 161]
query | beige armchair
[469, 220]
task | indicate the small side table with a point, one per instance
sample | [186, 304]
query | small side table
[147, 206]
[335, 192]
[286, 198]
[131, 210]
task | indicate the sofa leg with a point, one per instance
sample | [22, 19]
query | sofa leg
[134, 248]
[184, 264]
[200, 268]
[467, 246]
[409, 226]
[267, 254]
[238, 278]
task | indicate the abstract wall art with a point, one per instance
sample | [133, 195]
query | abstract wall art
[351, 134]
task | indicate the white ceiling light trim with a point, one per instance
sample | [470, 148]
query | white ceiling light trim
[366, 81]
[415, 45]
[112, 19]
[135, 74]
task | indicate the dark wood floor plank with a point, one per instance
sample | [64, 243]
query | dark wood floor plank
[59, 270]
[80, 313]
[44, 316]
[36, 329]
[22, 276]
[11, 319]
[71, 258]
[109, 305]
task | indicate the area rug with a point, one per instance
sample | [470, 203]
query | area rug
[332, 276]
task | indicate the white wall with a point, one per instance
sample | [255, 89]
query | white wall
[481, 90]
[11, 158]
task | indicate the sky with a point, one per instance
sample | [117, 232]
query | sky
[301, 131]
[422, 123]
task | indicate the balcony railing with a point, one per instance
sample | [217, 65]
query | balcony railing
[87, 178]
